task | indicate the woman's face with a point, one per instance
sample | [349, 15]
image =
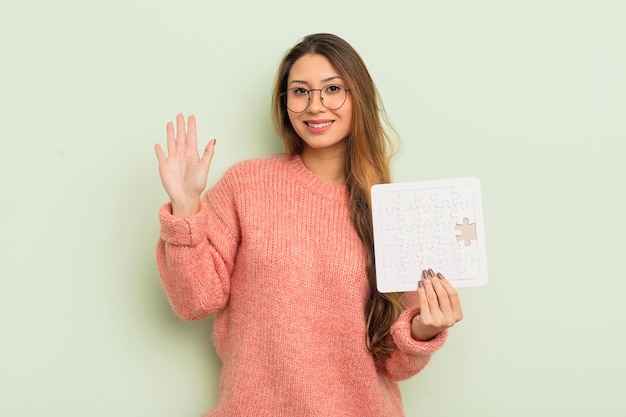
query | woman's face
[318, 126]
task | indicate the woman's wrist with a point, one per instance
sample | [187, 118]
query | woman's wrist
[420, 334]
[185, 208]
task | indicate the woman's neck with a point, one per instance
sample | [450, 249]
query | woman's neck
[327, 164]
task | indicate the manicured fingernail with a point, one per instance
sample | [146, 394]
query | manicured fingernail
[420, 284]
[431, 272]
[439, 275]
[424, 273]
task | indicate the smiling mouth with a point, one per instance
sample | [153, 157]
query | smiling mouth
[318, 125]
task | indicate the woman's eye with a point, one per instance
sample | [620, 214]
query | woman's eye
[299, 91]
[332, 89]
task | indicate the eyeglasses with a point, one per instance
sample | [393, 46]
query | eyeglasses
[332, 96]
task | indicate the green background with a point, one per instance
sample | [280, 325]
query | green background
[529, 96]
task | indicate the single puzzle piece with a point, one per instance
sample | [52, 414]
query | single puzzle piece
[428, 232]
[444, 195]
[408, 218]
[469, 269]
[408, 236]
[412, 272]
[466, 211]
[448, 261]
[390, 235]
[393, 255]
[406, 200]
[451, 255]
[464, 194]
[394, 274]
[469, 252]
[446, 235]
[428, 213]
[392, 217]
[448, 214]
[468, 232]
[387, 201]
[429, 253]
[424, 195]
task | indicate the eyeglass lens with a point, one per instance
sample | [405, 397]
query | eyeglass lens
[332, 96]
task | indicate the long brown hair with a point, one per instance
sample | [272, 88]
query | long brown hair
[367, 156]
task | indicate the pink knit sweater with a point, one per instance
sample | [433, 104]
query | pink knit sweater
[273, 252]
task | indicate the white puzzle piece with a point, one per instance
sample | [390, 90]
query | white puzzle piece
[428, 225]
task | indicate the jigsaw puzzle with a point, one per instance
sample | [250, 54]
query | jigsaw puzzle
[428, 224]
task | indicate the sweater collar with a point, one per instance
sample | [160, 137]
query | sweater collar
[315, 184]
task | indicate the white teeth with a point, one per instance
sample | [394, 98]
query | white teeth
[319, 125]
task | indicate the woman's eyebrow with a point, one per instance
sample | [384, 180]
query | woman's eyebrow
[325, 80]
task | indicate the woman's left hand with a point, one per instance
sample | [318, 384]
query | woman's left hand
[440, 307]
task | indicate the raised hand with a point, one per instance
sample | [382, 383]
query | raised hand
[440, 306]
[183, 172]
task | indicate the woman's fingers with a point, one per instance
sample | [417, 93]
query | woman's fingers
[183, 137]
[441, 299]
[192, 139]
[207, 156]
[422, 297]
[180, 131]
[455, 301]
[431, 293]
[159, 153]
[171, 141]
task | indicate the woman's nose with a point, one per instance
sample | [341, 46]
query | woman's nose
[316, 102]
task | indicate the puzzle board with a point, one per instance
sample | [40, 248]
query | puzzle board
[428, 224]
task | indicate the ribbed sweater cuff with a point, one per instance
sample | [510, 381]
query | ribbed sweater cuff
[182, 231]
[401, 333]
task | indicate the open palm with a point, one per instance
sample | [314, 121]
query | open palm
[183, 172]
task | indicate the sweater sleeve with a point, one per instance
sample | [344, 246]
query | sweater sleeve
[410, 355]
[195, 255]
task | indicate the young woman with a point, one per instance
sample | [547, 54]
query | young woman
[281, 249]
